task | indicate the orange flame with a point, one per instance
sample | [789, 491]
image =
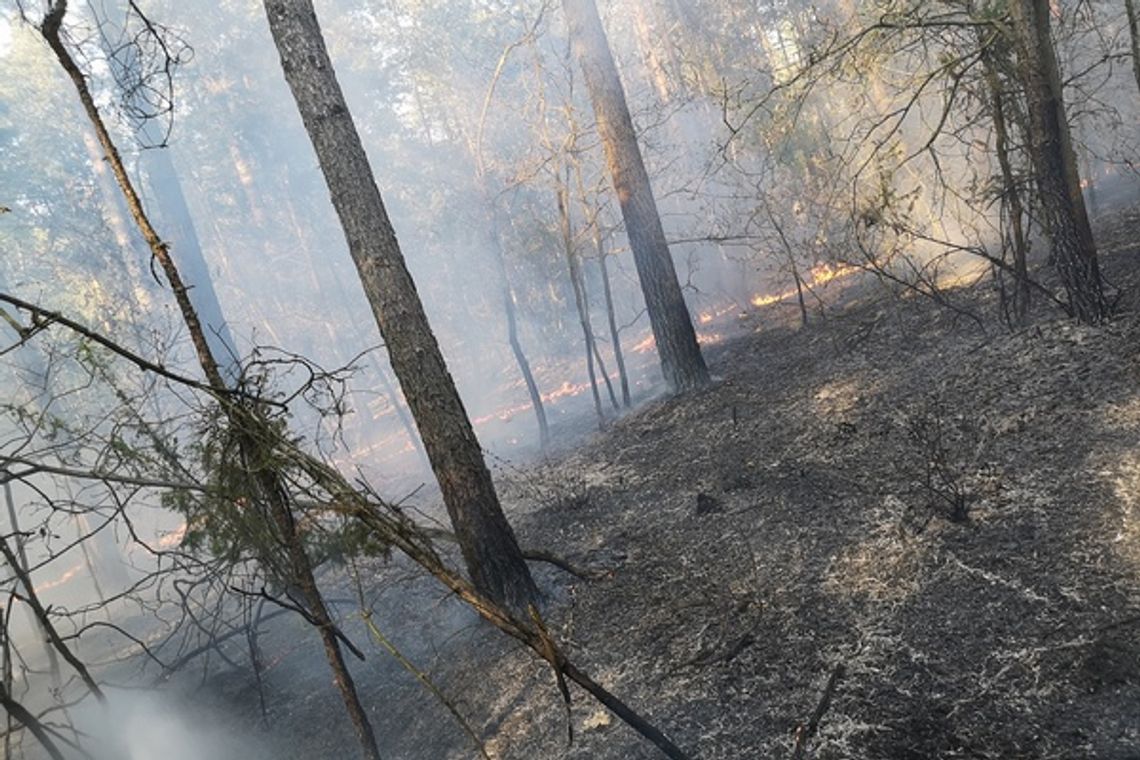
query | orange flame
[821, 274]
[68, 575]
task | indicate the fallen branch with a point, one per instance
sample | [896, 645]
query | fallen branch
[805, 731]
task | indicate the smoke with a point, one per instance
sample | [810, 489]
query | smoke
[162, 725]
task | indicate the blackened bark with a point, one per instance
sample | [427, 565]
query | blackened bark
[681, 360]
[486, 540]
[1054, 163]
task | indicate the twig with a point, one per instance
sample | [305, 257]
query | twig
[422, 677]
[805, 731]
[311, 619]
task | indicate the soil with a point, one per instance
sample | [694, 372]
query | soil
[949, 513]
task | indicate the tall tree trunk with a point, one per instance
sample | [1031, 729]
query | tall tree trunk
[174, 214]
[1055, 165]
[605, 374]
[510, 310]
[1011, 193]
[681, 361]
[511, 314]
[611, 317]
[592, 212]
[580, 306]
[486, 540]
[241, 419]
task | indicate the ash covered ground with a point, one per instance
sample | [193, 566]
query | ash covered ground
[949, 513]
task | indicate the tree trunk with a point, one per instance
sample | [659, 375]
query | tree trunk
[486, 540]
[605, 374]
[174, 215]
[1058, 185]
[1011, 193]
[579, 296]
[509, 311]
[681, 361]
[300, 570]
[615, 335]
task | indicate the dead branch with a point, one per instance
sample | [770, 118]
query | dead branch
[805, 731]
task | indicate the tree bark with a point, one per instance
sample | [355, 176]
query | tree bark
[1011, 193]
[579, 297]
[487, 542]
[511, 314]
[1058, 184]
[174, 216]
[611, 318]
[681, 361]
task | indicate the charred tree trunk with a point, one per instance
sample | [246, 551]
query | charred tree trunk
[1058, 184]
[300, 571]
[681, 360]
[486, 540]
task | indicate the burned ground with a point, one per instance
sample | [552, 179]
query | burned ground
[951, 514]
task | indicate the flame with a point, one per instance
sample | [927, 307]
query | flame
[174, 537]
[565, 390]
[759, 301]
[824, 273]
[646, 345]
[68, 575]
[709, 339]
[821, 274]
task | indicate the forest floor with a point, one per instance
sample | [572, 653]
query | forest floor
[949, 515]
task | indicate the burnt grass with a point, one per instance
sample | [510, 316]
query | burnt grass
[949, 512]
